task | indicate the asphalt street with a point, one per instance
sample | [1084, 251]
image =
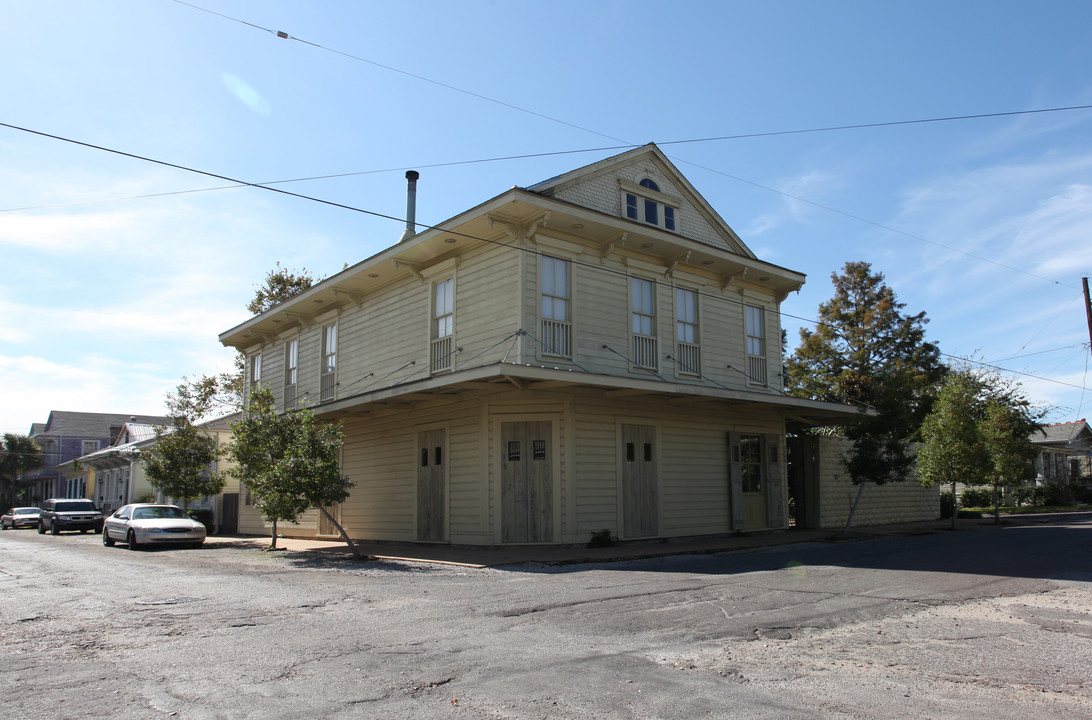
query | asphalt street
[989, 623]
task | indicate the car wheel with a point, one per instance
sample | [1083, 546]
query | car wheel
[83, 530]
[107, 540]
[53, 528]
[41, 528]
[131, 539]
[3, 526]
[98, 530]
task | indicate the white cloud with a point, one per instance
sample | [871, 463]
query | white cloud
[33, 386]
[54, 233]
[809, 185]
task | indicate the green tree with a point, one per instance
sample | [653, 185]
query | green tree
[1006, 431]
[18, 454]
[179, 464]
[867, 352]
[280, 284]
[978, 433]
[290, 462]
[952, 449]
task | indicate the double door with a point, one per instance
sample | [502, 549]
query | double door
[527, 482]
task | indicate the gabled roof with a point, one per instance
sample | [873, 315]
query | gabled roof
[90, 425]
[647, 155]
[1074, 436]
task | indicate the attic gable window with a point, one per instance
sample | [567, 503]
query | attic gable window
[645, 203]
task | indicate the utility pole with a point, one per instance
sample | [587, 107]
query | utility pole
[1088, 312]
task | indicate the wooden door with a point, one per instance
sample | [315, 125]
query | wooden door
[753, 480]
[229, 514]
[640, 484]
[431, 486]
[527, 482]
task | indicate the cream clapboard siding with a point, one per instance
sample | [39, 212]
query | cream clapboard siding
[694, 480]
[693, 470]
[392, 328]
[601, 316]
[481, 323]
[380, 456]
[389, 330]
[381, 450]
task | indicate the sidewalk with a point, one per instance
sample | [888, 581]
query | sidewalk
[481, 557]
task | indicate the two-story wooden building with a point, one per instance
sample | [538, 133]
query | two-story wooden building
[596, 352]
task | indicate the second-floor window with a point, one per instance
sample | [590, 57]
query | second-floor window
[255, 370]
[443, 324]
[755, 319]
[642, 299]
[686, 332]
[291, 372]
[327, 381]
[556, 323]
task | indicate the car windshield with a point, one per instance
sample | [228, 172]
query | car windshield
[154, 513]
[74, 507]
[25, 511]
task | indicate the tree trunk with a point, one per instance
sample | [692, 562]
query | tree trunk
[273, 540]
[344, 535]
[955, 505]
[849, 520]
[996, 503]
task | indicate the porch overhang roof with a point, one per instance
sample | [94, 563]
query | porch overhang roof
[533, 377]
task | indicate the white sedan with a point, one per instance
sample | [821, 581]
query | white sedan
[143, 525]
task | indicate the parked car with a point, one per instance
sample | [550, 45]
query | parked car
[24, 516]
[59, 514]
[144, 524]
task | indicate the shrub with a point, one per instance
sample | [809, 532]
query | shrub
[976, 497]
[204, 517]
[1055, 494]
[1083, 494]
[1023, 495]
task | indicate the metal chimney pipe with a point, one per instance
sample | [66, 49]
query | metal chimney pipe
[411, 205]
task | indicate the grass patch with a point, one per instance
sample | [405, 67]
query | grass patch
[1029, 510]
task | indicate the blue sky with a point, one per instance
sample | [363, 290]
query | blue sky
[119, 274]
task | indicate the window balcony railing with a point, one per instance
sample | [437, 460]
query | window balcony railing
[557, 338]
[440, 355]
[756, 369]
[327, 386]
[689, 359]
[644, 352]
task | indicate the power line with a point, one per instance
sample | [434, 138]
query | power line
[832, 128]
[372, 213]
[286, 36]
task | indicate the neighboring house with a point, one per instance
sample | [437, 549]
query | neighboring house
[1064, 450]
[113, 475]
[117, 477]
[66, 436]
[596, 352]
